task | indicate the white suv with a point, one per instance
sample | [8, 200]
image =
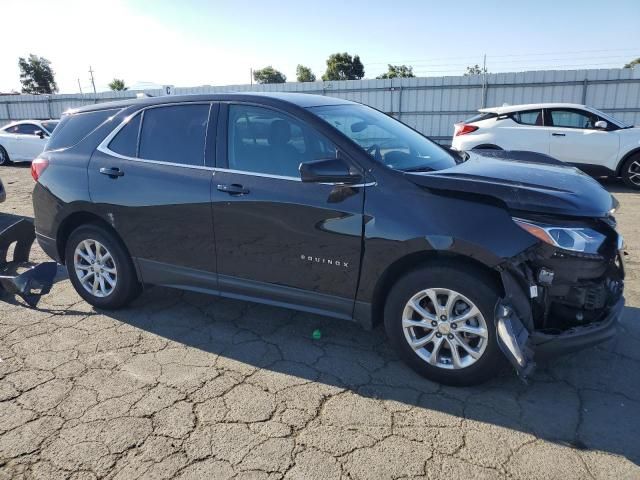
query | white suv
[24, 140]
[576, 134]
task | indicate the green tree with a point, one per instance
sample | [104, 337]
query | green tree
[341, 66]
[269, 75]
[118, 85]
[304, 74]
[475, 70]
[398, 71]
[36, 75]
[633, 63]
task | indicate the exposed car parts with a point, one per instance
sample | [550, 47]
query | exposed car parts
[33, 281]
[557, 301]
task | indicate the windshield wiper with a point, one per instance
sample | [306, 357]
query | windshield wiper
[423, 168]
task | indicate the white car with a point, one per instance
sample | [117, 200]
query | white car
[24, 140]
[582, 136]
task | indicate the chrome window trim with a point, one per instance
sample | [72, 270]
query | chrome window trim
[283, 177]
[104, 145]
[257, 174]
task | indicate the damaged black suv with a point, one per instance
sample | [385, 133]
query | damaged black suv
[332, 207]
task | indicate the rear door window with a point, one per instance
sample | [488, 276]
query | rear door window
[126, 140]
[174, 134]
[72, 129]
[528, 117]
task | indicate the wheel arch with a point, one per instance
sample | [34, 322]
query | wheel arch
[628, 155]
[77, 219]
[416, 260]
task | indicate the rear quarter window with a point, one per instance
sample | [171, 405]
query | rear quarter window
[73, 128]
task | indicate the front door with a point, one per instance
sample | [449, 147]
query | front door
[277, 237]
[152, 182]
[576, 140]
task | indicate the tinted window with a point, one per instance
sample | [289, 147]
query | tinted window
[387, 140]
[573, 118]
[126, 141]
[174, 134]
[50, 126]
[528, 117]
[481, 116]
[266, 141]
[26, 129]
[74, 128]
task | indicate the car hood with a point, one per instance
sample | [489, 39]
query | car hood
[523, 181]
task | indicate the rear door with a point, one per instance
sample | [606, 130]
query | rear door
[524, 130]
[574, 139]
[276, 237]
[8, 141]
[27, 145]
[152, 180]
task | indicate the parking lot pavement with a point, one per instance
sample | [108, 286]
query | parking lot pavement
[190, 386]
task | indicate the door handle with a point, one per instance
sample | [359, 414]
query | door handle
[112, 172]
[233, 189]
[558, 134]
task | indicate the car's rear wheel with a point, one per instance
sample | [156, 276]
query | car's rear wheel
[440, 319]
[4, 157]
[100, 268]
[631, 172]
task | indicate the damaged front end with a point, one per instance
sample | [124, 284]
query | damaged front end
[557, 300]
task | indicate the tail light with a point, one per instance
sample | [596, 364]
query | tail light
[463, 129]
[38, 166]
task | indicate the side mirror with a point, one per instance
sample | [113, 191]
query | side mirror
[39, 133]
[601, 125]
[330, 170]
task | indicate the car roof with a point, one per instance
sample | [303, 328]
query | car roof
[300, 99]
[529, 106]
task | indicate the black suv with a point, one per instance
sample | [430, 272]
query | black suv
[332, 207]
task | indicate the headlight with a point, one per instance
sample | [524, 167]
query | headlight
[583, 239]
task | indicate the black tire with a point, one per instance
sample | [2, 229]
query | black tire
[471, 282]
[126, 286]
[630, 169]
[4, 157]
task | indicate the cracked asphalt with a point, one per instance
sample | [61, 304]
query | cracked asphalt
[184, 385]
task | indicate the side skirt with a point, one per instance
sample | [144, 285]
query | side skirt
[158, 273]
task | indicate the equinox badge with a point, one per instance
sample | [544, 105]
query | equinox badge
[327, 261]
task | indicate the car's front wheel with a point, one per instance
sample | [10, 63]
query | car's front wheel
[440, 319]
[631, 172]
[100, 268]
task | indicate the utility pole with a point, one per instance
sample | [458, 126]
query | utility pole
[251, 76]
[92, 80]
[484, 81]
[79, 86]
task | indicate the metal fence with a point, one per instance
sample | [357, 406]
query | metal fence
[431, 105]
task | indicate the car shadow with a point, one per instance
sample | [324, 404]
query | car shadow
[588, 400]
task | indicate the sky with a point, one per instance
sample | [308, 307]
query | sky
[197, 42]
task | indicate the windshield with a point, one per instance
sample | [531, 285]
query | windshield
[49, 126]
[610, 119]
[387, 140]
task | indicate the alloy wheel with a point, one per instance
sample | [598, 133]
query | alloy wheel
[634, 172]
[95, 268]
[444, 328]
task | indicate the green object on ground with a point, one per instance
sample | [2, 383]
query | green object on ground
[317, 334]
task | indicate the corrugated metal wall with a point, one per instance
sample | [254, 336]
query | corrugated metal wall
[431, 105]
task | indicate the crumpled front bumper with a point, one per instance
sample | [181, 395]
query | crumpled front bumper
[579, 309]
[549, 345]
